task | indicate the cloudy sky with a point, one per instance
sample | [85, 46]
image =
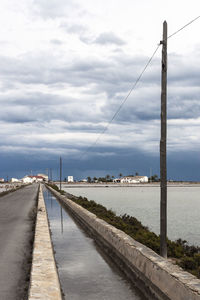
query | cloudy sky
[67, 65]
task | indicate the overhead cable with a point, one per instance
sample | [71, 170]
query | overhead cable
[134, 85]
[123, 102]
[183, 27]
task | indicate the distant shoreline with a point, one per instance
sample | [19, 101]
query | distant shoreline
[110, 184]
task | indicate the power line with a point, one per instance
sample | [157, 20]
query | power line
[123, 102]
[183, 27]
[134, 85]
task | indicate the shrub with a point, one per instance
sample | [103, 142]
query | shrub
[54, 186]
[188, 263]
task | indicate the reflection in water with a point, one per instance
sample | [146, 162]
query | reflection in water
[61, 218]
[83, 270]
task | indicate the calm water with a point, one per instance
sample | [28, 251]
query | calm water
[85, 273]
[144, 204]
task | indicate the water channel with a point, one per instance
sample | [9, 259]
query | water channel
[85, 272]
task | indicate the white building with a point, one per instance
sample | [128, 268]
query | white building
[33, 178]
[70, 179]
[14, 180]
[40, 178]
[27, 179]
[132, 179]
[45, 177]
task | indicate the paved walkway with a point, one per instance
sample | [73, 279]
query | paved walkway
[16, 232]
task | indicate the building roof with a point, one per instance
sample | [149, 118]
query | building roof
[36, 176]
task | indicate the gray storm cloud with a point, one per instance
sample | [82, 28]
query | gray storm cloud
[64, 77]
[108, 83]
[109, 38]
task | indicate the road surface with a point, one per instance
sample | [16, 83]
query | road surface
[16, 237]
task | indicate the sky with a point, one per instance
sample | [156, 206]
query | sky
[66, 67]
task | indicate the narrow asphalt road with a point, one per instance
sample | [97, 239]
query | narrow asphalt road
[16, 236]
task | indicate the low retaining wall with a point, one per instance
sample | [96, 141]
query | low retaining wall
[44, 283]
[160, 278]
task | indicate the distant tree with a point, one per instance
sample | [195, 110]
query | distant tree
[120, 175]
[154, 178]
[65, 179]
[102, 179]
[107, 177]
[136, 174]
[89, 179]
[94, 179]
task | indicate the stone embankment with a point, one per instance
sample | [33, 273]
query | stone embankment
[44, 282]
[157, 277]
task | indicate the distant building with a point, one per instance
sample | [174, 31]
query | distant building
[70, 179]
[14, 180]
[40, 178]
[2, 179]
[45, 177]
[27, 179]
[132, 179]
[33, 178]
[83, 180]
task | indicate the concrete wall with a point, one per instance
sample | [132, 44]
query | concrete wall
[160, 278]
[44, 283]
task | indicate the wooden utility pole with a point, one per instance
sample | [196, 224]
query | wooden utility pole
[48, 173]
[150, 179]
[60, 171]
[163, 149]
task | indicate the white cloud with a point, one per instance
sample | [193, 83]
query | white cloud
[54, 8]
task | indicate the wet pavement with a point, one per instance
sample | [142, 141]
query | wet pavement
[85, 272]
